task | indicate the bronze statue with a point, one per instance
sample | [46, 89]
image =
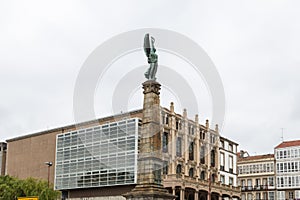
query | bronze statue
[152, 57]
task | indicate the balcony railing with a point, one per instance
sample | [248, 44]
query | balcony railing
[255, 187]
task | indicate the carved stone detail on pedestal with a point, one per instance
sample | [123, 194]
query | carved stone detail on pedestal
[151, 86]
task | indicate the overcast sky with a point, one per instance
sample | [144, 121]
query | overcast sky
[254, 45]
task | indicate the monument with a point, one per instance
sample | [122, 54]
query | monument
[149, 181]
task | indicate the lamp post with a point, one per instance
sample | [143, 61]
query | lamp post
[49, 164]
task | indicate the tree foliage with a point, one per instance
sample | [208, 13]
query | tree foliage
[11, 188]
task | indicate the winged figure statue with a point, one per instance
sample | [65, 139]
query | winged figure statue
[152, 57]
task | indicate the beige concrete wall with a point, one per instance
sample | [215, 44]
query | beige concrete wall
[27, 157]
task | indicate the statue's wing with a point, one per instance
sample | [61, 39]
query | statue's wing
[147, 45]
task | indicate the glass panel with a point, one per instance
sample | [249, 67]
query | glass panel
[98, 156]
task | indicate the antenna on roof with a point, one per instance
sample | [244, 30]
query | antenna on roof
[282, 134]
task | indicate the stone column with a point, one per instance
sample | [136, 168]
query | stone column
[196, 195]
[173, 140]
[197, 149]
[185, 143]
[149, 178]
[182, 194]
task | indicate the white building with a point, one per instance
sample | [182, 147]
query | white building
[228, 162]
[287, 156]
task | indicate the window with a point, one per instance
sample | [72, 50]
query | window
[230, 148]
[157, 174]
[165, 142]
[202, 134]
[271, 196]
[212, 158]
[178, 146]
[165, 167]
[178, 169]
[222, 161]
[230, 164]
[191, 151]
[291, 195]
[191, 172]
[202, 175]
[222, 144]
[212, 138]
[257, 196]
[249, 196]
[249, 184]
[177, 124]
[271, 181]
[280, 195]
[265, 182]
[222, 179]
[202, 154]
[297, 194]
[230, 181]
[257, 183]
[296, 153]
[243, 197]
[191, 129]
[243, 182]
[213, 178]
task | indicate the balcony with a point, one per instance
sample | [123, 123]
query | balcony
[254, 188]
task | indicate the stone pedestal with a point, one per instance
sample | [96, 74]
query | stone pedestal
[149, 179]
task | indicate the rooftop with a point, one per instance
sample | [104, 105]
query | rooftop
[288, 144]
[257, 157]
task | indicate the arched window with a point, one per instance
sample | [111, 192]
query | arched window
[202, 154]
[178, 147]
[178, 169]
[212, 158]
[165, 167]
[202, 134]
[213, 178]
[191, 172]
[202, 175]
[191, 151]
[165, 142]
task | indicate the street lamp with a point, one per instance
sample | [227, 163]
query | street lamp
[49, 164]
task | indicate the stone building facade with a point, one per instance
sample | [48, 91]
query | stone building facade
[191, 152]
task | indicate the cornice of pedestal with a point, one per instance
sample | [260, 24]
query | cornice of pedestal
[151, 86]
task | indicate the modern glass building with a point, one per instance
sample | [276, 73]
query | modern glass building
[98, 156]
